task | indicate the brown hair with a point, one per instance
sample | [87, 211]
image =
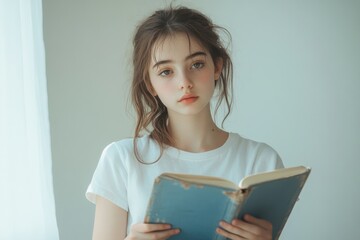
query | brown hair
[161, 24]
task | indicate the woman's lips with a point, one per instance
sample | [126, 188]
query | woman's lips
[188, 98]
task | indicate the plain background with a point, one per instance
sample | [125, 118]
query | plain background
[297, 86]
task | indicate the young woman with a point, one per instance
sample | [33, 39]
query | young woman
[179, 62]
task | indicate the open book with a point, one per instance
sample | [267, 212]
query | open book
[196, 204]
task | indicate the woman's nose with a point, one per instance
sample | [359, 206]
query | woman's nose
[184, 82]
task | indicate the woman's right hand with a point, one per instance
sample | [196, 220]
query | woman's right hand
[151, 231]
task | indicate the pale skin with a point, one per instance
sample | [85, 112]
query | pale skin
[183, 77]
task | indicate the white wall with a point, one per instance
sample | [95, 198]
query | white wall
[297, 85]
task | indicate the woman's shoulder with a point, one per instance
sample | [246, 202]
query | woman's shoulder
[125, 144]
[250, 144]
[262, 156]
[124, 148]
[117, 146]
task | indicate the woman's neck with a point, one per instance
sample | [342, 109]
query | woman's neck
[196, 133]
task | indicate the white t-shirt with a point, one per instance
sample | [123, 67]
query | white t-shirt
[122, 179]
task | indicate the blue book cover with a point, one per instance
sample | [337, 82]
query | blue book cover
[196, 204]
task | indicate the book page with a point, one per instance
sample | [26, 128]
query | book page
[272, 175]
[200, 179]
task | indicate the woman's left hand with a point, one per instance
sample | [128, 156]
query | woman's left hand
[252, 228]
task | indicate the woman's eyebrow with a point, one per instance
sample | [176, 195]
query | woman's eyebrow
[199, 53]
[162, 62]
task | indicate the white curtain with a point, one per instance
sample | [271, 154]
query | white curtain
[27, 208]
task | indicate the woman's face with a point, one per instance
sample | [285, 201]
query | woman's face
[183, 74]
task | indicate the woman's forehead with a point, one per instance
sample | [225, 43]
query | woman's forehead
[166, 46]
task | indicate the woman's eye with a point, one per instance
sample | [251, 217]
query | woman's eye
[165, 73]
[198, 65]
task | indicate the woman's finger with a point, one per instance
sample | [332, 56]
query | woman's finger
[146, 228]
[259, 222]
[160, 235]
[227, 234]
[153, 231]
[254, 229]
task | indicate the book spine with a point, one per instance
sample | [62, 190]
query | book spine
[231, 210]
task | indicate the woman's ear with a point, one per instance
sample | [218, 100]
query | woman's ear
[218, 65]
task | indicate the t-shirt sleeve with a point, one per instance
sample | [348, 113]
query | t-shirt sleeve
[110, 178]
[267, 159]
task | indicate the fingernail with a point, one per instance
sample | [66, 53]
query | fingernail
[235, 221]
